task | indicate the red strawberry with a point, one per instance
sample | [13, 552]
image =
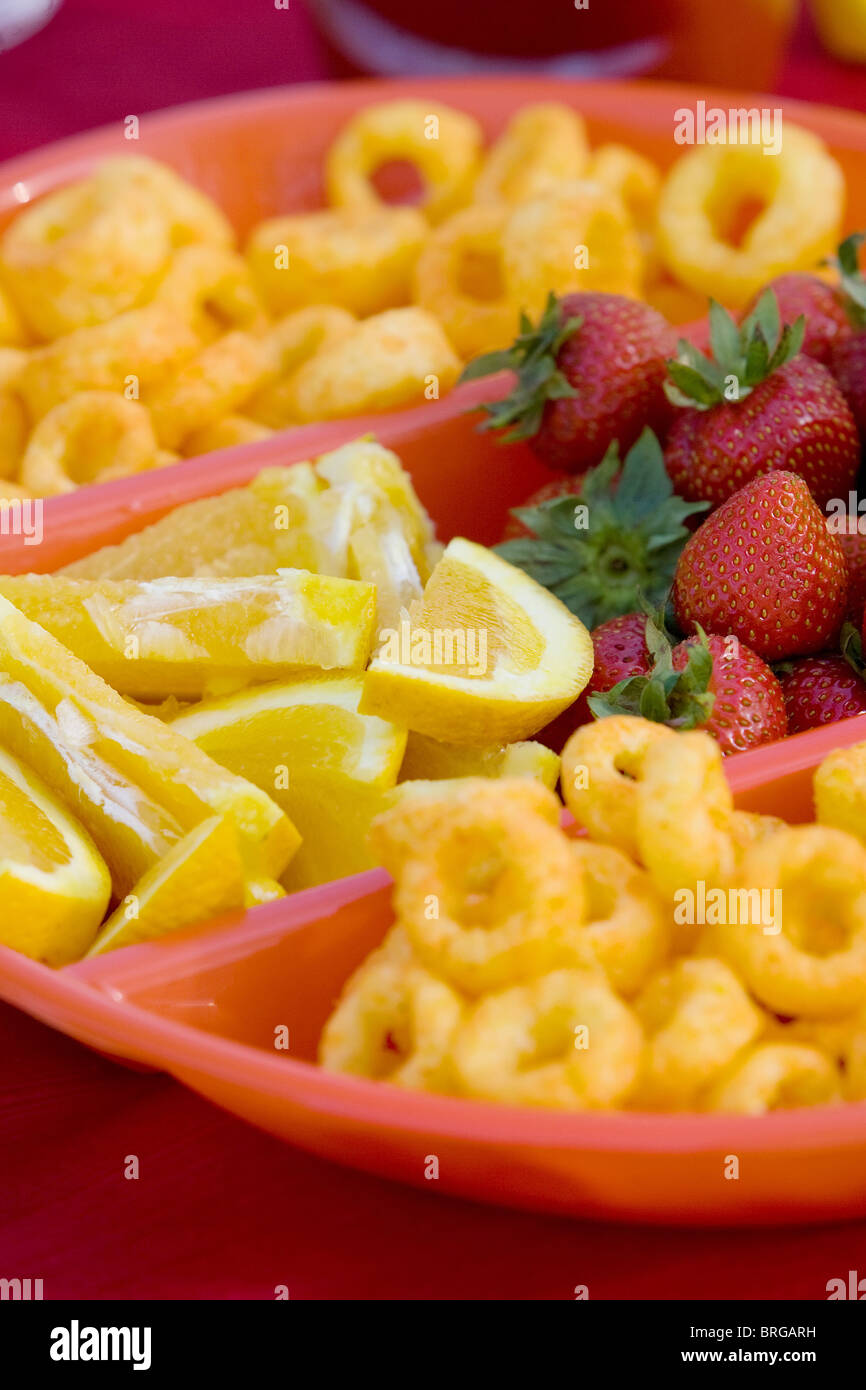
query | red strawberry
[821, 690]
[854, 549]
[765, 568]
[827, 321]
[749, 707]
[722, 687]
[590, 373]
[848, 365]
[566, 485]
[755, 407]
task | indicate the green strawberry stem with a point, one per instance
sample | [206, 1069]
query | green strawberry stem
[851, 280]
[619, 539]
[680, 699]
[533, 356]
[743, 355]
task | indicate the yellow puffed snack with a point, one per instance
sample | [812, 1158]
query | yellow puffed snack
[83, 254]
[544, 144]
[697, 1017]
[684, 811]
[806, 957]
[226, 433]
[130, 354]
[360, 258]
[293, 341]
[624, 921]
[459, 279]
[840, 790]
[842, 1039]
[14, 425]
[563, 1041]
[775, 1076]
[575, 237]
[442, 144]
[394, 1021]
[799, 195]
[190, 214]
[92, 438]
[397, 358]
[213, 383]
[487, 886]
[213, 289]
[13, 334]
[633, 177]
[602, 765]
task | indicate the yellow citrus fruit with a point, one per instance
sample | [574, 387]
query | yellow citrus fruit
[201, 877]
[326, 765]
[54, 886]
[487, 656]
[190, 637]
[430, 760]
[134, 782]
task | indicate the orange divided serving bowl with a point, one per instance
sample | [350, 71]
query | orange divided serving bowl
[206, 1005]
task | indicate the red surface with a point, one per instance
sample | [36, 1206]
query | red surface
[220, 1211]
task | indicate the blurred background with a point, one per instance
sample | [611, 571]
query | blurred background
[68, 65]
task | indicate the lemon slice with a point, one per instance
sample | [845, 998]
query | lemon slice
[190, 637]
[487, 656]
[136, 784]
[54, 886]
[200, 877]
[324, 763]
[429, 760]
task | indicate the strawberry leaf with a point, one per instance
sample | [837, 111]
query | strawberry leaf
[619, 539]
[748, 352]
[680, 699]
[853, 283]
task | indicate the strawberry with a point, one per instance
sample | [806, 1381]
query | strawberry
[618, 541]
[820, 304]
[710, 682]
[566, 485]
[821, 690]
[854, 549]
[591, 372]
[757, 406]
[848, 356]
[619, 650]
[764, 568]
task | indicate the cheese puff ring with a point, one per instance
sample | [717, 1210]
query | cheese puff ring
[83, 254]
[602, 764]
[840, 790]
[389, 360]
[775, 1076]
[543, 144]
[212, 384]
[293, 341]
[816, 965]
[842, 1039]
[226, 433]
[459, 279]
[190, 214]
[140, 348]
[212, 288]
[14, 425]
[697, 1017]
[684, 809]
[13, 334]
[91, 438]
[486, 887]
[396, 1022]
[578, 236]
[801, 191]
[358, 258]
[563, 1041]
[442, 144]
[634, 178]
[625, 925]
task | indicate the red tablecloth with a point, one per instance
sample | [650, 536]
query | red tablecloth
[220, 1211]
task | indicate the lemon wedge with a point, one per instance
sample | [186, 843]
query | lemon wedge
[486, 656]
[306, 744]
[54, 885]
[201, 877]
